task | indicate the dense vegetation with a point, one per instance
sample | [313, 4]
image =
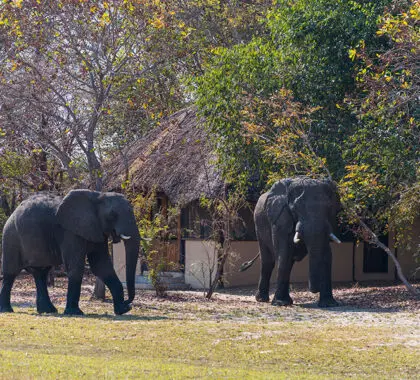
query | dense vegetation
[287, 87]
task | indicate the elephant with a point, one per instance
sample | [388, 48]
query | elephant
[47, 230]
[294, 218]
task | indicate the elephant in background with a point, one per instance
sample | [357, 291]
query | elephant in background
[46, 230]
[292, 219]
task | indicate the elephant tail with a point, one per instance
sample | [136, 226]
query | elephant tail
[247, 264]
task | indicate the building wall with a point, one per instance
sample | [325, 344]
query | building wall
[360, 275]
[118, 256]
[200, 263]
[199, 253]
[200, 257]
[405, 255]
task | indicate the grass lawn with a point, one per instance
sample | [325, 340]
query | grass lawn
[184, 336]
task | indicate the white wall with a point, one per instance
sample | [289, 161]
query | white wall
[200, 259]
[198, 255]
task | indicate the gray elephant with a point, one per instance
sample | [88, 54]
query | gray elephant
[292, 219]
[46, 230]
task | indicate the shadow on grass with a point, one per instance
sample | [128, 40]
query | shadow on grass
[349, 308]
[125, 317]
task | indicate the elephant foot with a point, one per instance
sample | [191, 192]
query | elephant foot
[50, 309]
[122, 308]
[262, 297]
[314, 289]
[328, 302]
[6, 309]
[282, 302]
[73, 311]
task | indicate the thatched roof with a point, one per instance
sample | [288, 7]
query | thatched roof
[174, 159]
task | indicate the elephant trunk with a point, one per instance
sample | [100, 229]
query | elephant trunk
[319, 265]
[316, 236]
[131, 256]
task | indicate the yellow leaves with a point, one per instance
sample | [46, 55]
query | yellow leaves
[157, 22]
[105, 19]
[17, 3]
[415, 12]
[352, 54]
[405, 85]
[253, 128]
[361, 183]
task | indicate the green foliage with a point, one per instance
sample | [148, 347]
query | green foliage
[313, 39]
[275, 106]
[304, 50]
[224, 92]
[154, 228]
[224, 213]
[385, 148]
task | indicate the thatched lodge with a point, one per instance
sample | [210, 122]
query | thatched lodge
[177, 162]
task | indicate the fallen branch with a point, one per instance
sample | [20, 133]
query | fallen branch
[370, 237]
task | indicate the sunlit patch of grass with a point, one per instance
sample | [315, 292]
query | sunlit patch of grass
[160, 342]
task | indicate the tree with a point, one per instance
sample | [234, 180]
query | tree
[68, 63]
[382, 182]
[281, 99]
[304, 49]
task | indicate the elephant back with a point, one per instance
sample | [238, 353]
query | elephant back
[34, 223]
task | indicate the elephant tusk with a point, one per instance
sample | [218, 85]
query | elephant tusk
[296, 238]
[335, 238]
[125, 237]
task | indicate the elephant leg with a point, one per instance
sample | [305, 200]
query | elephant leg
[6, 288]
[285, 264]
[101, 266]
[73, 293]
[75, 266]
[326, 298]
[43, 302]
[267, 266]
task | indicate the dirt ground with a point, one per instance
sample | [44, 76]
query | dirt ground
[358, 302]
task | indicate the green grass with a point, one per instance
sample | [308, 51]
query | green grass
[164, 342]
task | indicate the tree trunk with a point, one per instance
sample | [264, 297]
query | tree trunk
[373, 239]
[95, 172]
[220, 267]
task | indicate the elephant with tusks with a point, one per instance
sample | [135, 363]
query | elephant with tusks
[47, 230]
[293, 219]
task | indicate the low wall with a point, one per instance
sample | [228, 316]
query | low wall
[200, 260]
[118, 256]
[200, 263]
[200, 255]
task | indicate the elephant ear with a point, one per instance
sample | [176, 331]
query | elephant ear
[277, 205]
[78, 213]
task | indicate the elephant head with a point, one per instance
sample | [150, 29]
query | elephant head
[96, 216]
[305, 209]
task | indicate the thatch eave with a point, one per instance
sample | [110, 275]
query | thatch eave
[175, 159]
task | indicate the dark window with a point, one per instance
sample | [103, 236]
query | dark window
[375, 260]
